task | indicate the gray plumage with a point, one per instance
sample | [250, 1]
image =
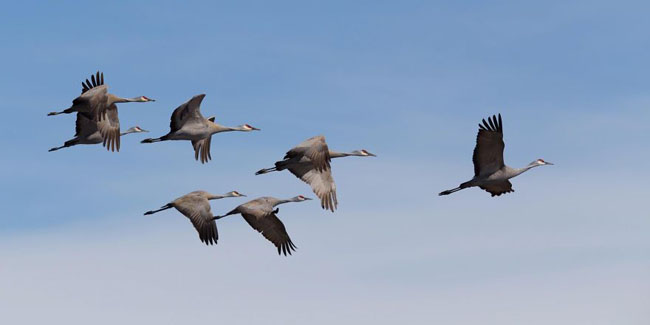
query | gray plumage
[490, 172]
[187, 123]
[87, 131]
[196, 207]
[97, 104]
[310, 161]
[260, 215]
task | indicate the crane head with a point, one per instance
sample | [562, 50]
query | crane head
[365, 152]
[301, 198]
[146, 99]
[235, 194]
[248, 127]
[541, 162]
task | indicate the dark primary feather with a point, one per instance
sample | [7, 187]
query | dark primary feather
[273, 230]
[197, 209]
[488, 153]
[96, 81]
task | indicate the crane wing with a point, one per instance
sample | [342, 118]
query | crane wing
[84, 126]
[202, 148]
[190, 110]
[499, 188]
[197, 209]
[92, 100]
[96, 81]
[109, 128]
[488, 153]
[321, 182]
[271, 228]
[315, 149]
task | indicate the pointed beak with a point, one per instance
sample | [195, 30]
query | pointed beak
[255, 129]
[548, 163]
[143, 130]
[152, 100]
[308, 198]
[242, 195]
[371, 154]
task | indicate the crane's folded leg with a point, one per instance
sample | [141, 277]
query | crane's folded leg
[265, 170]
[164, 207]
[462, 186]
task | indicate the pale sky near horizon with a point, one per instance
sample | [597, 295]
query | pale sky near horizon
[408, 81]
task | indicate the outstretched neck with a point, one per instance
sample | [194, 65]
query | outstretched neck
[112, 99]
[216, 128]
[519, 171]
[278, 202]
[215, 197]
[336, 154]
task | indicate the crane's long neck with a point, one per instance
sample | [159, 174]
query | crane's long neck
[518, 171]
[336, 154]
[216, 128]
[216, 197]
[278, 202]
[112, 99]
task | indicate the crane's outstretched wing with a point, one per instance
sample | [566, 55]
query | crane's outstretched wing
[315, 149]
[321, 183]
[488, 153]
[271, 228]
[190, 110]
[197, 209]
[109, 128]
[499, 188]
[84, 126]
[96, 81]
[202, 148]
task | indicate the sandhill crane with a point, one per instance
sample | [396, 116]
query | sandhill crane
[310, 161]
[260, 215]
[196, 207]
[490, 172]
[187, 123]
[98, 105]
[95, 98]
[87, 132]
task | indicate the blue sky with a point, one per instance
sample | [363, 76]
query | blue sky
[406, 80]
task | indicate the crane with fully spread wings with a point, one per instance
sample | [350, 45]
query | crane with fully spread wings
[196, 207]
[490, 172]
[310, 161]
[260, 215]
[187, 123]
[98, 106]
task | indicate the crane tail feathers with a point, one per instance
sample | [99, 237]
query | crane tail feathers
[447, 192]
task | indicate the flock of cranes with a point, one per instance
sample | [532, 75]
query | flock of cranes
[98, 122]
